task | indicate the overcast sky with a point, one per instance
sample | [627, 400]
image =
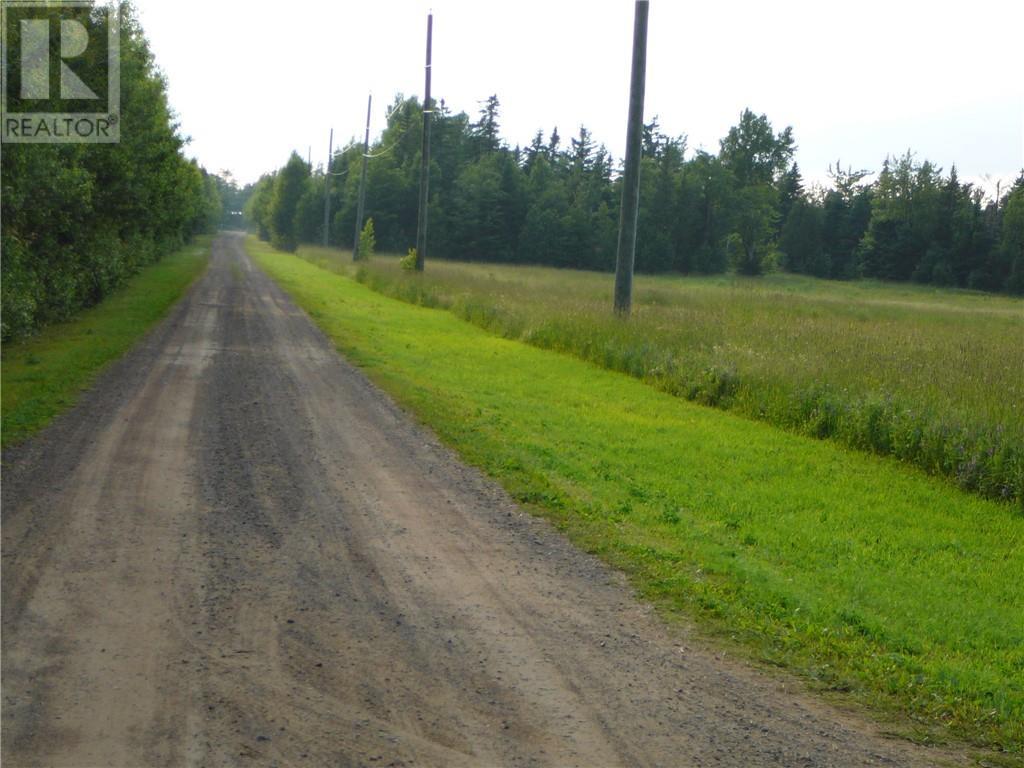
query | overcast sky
[250, 81]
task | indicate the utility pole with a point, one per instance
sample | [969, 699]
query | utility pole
[362, 183]
[626, 253]
[421, 221]
[327, 186]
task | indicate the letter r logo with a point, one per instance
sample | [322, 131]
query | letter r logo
[60, 71]
[35, 59]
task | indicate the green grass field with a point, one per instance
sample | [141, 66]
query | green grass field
[934, 377]
[43, 375]
[866, 577]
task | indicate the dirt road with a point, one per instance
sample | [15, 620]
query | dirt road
[235, 550]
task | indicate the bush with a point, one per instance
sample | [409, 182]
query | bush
[367, 242]
[78, 220]
[408, 262]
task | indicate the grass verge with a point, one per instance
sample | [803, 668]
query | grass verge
[864, 576]
[44, 374]
[932, 377]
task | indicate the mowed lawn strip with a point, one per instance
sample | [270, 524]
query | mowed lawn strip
[853, 570]
[44, 374]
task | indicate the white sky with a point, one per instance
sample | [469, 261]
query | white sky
[252, 80]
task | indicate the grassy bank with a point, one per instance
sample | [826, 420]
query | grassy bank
[932, 377]
[863, 576]
[43, 375]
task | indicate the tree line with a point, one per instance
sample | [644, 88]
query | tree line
[745, 207]
[78, 219]
[233, 197]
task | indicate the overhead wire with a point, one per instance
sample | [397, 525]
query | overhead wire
[389, 148]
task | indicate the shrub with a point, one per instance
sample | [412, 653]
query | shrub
[408, 262]
[367, 242]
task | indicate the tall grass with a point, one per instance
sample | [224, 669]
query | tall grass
[932, 377]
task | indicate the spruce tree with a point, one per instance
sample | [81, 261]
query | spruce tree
[486, 128]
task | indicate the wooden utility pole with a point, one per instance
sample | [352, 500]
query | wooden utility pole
[626, 253]
[327, 187]
[362, 182]
[421, 221]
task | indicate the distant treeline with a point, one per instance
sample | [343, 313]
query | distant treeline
[746, 207]
[232, 200]
[80, 218]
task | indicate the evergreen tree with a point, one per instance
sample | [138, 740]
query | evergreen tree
[544, 238]
[1012, 243]
[651, 137]
[846, 211]
[483, 212]
[660, 177]
[800, 241]
[791, 189]
[535, 150]
[485, 130]
[580, 154]
[553, 142]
